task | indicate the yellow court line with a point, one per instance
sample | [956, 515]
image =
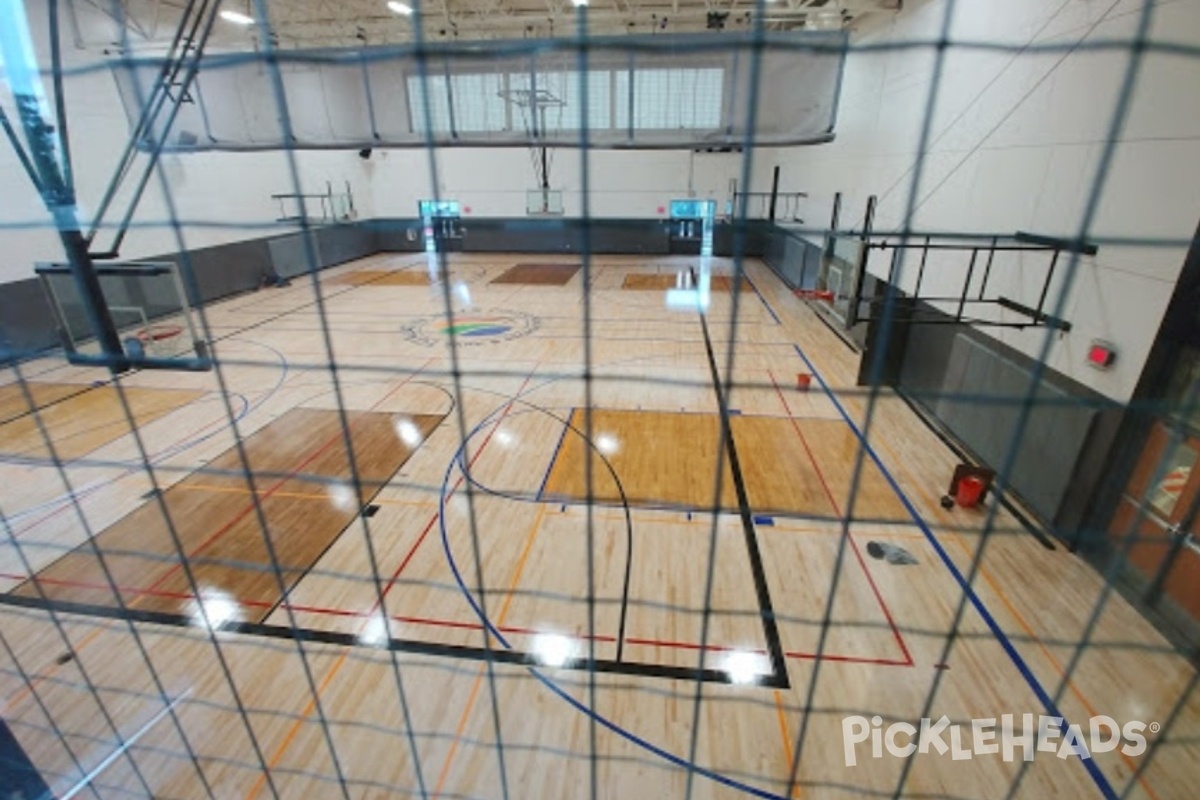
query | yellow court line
[466, 714]
[1021, 621]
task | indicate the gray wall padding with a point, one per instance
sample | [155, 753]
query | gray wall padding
[794, 259]
[328, 246]
[27, 326]
[394, 235]
[290, 254]
[342, 243]
[563, 235]
[228, 269]
[943, 359]
[26, 321]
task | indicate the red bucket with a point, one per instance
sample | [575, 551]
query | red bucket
[970, 490]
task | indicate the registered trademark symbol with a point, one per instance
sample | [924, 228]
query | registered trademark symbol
[1155, 727]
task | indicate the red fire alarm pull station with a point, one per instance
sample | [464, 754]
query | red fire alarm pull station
[1101, 355]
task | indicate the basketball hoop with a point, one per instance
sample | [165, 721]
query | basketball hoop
[156, 340]
[533, 104]
[157, 333]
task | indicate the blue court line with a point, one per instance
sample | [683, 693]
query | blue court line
[1088, 763]
[554, 456]
[548, 682]
[770, 310]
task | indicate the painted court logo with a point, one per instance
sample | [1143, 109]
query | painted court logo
[1027, 734]
[485, 327]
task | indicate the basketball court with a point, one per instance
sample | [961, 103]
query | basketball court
[505, 481]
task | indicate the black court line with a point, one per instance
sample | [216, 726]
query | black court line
[779, 676]
[413, 646]
[84, 388]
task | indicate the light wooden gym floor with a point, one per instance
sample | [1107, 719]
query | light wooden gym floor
[485, 479]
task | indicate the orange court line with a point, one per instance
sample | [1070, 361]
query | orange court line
[277, 756]
[466, 714]
[787, 740]
[298, 495]
[37, 679]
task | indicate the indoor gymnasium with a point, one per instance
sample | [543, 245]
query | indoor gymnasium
[506, 399]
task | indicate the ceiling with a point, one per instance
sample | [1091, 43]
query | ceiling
[340, 23]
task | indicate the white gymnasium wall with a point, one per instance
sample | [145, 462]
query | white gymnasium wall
[1015, 145]
[220, 197]
[493, 182]
[224, 197]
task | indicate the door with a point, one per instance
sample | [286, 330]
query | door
[1162, 498]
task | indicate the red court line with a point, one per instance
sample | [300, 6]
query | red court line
[885, 662]
[837, 508]
[470, 463]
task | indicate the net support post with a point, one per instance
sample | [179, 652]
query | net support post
[861, 273]
[16, 48]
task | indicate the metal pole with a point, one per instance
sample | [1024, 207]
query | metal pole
[962, 302]
[22, 156]
[833, 221]
[60, 102]
[774, 194]
[987, 270]
[1046, 285]
[156, 152]
[860, 277]
[16, 47]
[150, 110]
[921, 269]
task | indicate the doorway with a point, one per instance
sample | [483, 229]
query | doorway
[1160, 501]
[1148, 513]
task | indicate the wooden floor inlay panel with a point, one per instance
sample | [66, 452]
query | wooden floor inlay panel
[649, 281]
[724, 283]
[379, 277]
[85, 421]
[665, 459]
[13, 403]
[305, 491]
[539, 274]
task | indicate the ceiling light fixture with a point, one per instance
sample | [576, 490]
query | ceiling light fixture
[403, 9]
[236, 17]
